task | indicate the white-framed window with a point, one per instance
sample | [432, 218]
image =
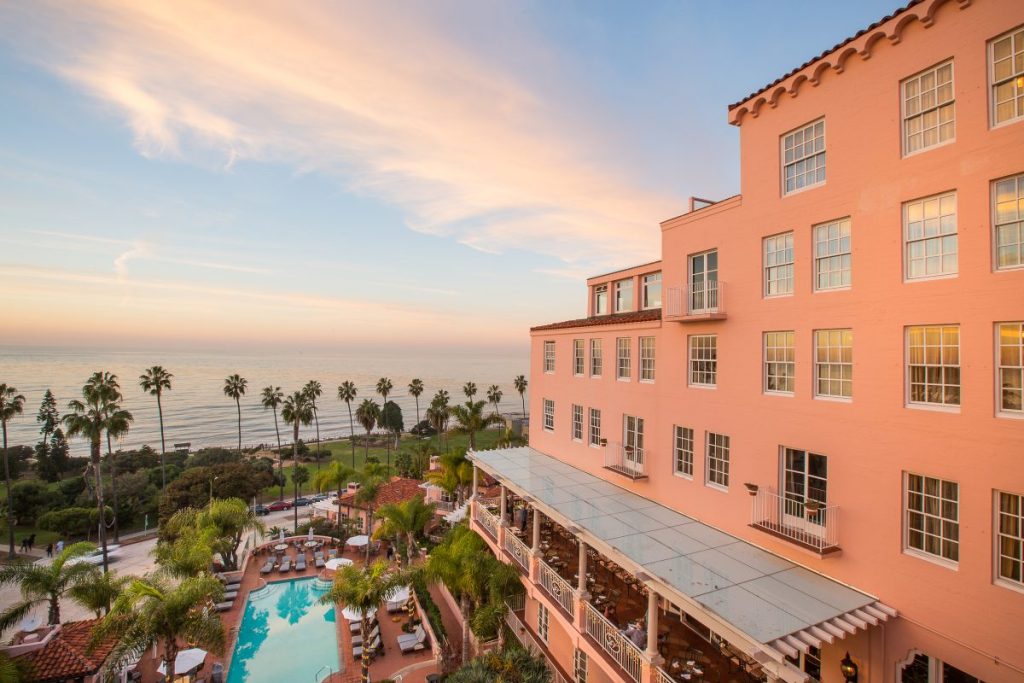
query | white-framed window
[1006, 76]
[596, 358]
[623, 368]
[542, 621]
[624, 295]
[809, 662]
[549, 415]
[778, 265]
[682, 451]
[579, 360]
[651, 291]
[930, 236]
[601, 300]
[922, 668]
[595, 427]
[717, 465]
[803, 157]
[779, 362]
[833, 363]
[1010, 538]
[932, 509]
[703, 293]
[577, 422]
[703, 360]
[804, 479]
[1010, 363]
[549, 356]
[579, 666]
[1008, 222]
[646, 359]
[929, 108]
[832, 255]
[633, 440]
[933, 365]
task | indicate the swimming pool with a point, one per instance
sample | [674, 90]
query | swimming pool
[286, 635]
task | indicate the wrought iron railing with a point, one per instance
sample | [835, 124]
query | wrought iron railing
[661, 677]
[517, 549]
[696, 299]
[485, 519]
[607, 636]
[526, 638]
[626, 460]
[804, 521]
[557, 587]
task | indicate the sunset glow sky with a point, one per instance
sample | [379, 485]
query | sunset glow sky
[360, 173]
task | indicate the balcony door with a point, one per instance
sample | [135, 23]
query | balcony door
[805, 479]
[704, 281]
[633, 443]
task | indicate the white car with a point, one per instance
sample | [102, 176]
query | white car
[95, 558]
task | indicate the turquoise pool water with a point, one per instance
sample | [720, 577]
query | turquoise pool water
[286, 635]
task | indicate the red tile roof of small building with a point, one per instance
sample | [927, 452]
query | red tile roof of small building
[612, 319]
[398, 490]
[67, 655]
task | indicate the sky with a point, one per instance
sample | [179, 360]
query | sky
[347, 175]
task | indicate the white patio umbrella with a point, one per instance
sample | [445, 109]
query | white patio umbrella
[401, 595]
[186, 661]
[337, 563]
[457, 515]
[310, 534]
[358, 541]
[281, 535]
[354, 615]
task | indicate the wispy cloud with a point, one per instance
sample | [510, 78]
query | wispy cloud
[377, 95]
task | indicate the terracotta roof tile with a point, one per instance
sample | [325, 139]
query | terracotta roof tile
[398, 490]
[612, 319]
[67, 654]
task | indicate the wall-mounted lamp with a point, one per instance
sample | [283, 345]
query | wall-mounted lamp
[849, 669]
[604, 442]
[751, 488]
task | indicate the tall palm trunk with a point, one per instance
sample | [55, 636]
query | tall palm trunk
[316, 420]
[113, 486]
[295, 469]
[170, 654]
[352, 434]
[369, 531]
[364, 661]
[366, 444]
[417, 409]
[102, 531]
[238, 403]
[466, 607]
[163, 444]
[54, 614]
[280, 459]
[523, 397]
[10, 505]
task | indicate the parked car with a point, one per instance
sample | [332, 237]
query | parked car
[261, 510]
[279, 505]
[302, 502]
[318, 497]
[95, 558]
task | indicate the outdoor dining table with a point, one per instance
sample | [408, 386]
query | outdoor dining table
[281, 547]
[312, 544]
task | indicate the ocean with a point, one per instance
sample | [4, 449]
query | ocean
[196, 411]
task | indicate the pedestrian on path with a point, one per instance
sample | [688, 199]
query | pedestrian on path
[49, 549]
[60, 546]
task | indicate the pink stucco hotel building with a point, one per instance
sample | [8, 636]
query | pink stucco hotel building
[793, 448]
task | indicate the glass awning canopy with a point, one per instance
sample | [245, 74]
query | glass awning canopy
[765, 596]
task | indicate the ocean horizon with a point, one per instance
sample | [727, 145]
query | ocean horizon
[196, 411]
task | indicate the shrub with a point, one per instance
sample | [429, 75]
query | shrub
[69, 522]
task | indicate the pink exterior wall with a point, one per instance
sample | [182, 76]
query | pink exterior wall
[957, 614]
[635, 274]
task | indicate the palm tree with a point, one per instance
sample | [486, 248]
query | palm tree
[335, 475]
[512, 664]
[296, 411]
[347, 392]
[44, 583]
[315, 390]
[98, 591]
[472, 419]
[12, 404]
[438, 413]
[457, 563]
[271, 399]
[384, 387]
[494, 395]
[156, 380]
[415, 389]
[362, 590]
[469, 389]
[408, 518]
[370, 482]
[234, 387]
[156, 612]
[367, 414]
[117, 423]
[454, 475]
[520, 384]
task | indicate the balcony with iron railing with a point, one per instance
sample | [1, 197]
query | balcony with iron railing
[482, 516]
[627, 460]
[517, 550]
[557, 587]
[514, 619]
[695, 302]
[803, 521]
[607, 636]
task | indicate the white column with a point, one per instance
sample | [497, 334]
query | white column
[652, 627]
[476, 477]
[536, 532]
[504, 502]
[581, 583]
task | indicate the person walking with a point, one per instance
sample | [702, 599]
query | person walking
[31, 542]
[60, 546]
[49, 549]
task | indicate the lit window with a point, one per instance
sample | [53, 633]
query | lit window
[718, 459]
[623, 369]
[596, 359]
[682, 462]
[803, 163]
[1008, 198]
[624, 296]
[646, 359]
[579, 666]
[933, 364]
[542, 622]
[577, 423]
[779, 362]
[929, 110]
[1010, 538]
[703, 360]
[778, 265]
[549, 415]
[601, 300]
[652, 290]
[833, 363]
[930, 235]
[578, 360]
[549, 356]
[1007, 76]
[933, 516]
[832, 255]
[1011, 368]
[595, 427]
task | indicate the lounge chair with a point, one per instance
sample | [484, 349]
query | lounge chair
[300, 563]
[396, 606]
[374, 645]
[358, 639]
[267, 567]
[319, 563]
[413, 642]
[286, 565]
[224, 606]
[230, 595]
